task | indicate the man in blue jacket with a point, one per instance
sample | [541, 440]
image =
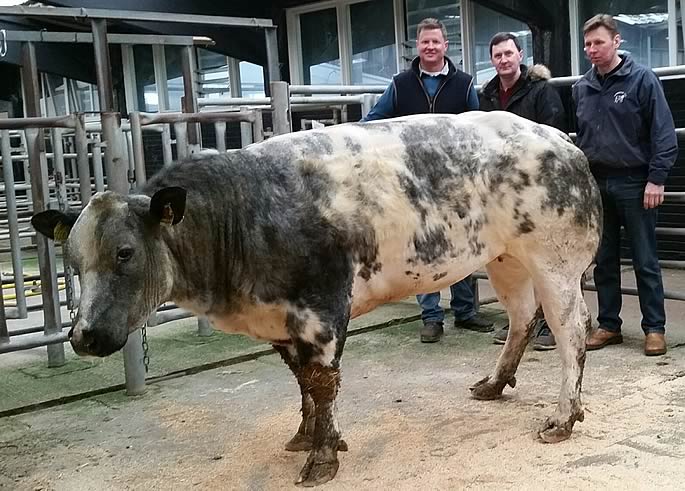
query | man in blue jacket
[626, 130]
[434, 85]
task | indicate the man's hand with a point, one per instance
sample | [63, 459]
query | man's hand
[654, 195]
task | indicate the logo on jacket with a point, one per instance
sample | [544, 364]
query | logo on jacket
[619, 97]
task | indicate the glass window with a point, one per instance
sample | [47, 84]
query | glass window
[57, 91]
[487, 23]
[213, 69]
[86, 96]
[373, 42]
[448, 12]
[320, 53]
[174, 75]
[145, 78]
[643, 25]
[251, 80]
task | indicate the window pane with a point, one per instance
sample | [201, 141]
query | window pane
[643, 25]
[448, 12]
[251, 79]
[86, 95]
[57, 90]
[213, 69]
[487, 24]
[174, 75]
[145, 78]
[373, 42]
[320, 53]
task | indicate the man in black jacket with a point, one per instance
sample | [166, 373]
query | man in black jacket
[519, 89]
[434, 85]
[525, 92]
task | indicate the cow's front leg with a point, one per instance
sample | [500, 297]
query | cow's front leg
[322, 384]
[302, 441]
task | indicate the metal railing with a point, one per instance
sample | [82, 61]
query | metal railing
[57, 190]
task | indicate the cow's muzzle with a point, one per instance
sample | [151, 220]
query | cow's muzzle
[85, 340]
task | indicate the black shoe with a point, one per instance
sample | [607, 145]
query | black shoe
[544, 339]
[431, 332]
[476, 323]
[500, 336]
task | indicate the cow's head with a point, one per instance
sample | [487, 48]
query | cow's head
[124, 269]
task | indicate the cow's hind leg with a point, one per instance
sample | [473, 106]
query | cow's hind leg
[514, 287]
[568, 317]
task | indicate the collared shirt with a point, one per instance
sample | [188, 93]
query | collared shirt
[445, 70]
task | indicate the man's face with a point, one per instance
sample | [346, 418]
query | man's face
[506, 58]
[601, 46]
[431, 46]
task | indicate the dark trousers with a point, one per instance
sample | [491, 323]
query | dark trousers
[622, 198]
[461, 302]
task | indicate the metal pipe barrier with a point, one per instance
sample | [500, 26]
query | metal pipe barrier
[251, 127]
[33, 128]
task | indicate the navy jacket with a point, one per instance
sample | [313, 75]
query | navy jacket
[624, 124]
[413, 93]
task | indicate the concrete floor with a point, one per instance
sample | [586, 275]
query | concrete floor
[404, 409]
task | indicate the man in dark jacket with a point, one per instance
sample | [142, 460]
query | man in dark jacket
[626, 130]
[525, 92]
[434, 85]
[518, 89]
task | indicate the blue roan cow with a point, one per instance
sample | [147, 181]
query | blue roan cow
[288, 239]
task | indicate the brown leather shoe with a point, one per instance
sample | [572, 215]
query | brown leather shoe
[655, 344]
[601, 338]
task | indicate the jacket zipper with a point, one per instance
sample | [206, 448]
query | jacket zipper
[431, 101]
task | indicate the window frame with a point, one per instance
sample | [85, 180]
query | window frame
[342, 12]
[576, 23]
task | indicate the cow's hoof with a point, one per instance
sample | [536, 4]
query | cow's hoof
[556, 429]
[316, 471]
[555, 434]
[553, 431]
[485, 390]
[303, 443]
[299, 443]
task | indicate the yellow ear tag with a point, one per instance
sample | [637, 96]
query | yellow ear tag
[167, 214]
[61, 232]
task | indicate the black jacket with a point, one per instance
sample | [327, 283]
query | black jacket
[451, 96]
[533, 98]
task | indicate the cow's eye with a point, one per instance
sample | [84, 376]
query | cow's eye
[124, 254]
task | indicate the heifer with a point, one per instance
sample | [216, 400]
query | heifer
[288, 239]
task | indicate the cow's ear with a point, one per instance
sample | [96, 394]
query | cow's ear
[54, 224]
[168, 205]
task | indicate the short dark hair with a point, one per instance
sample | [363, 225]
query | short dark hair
[501, 37]
[431, 23]
[601, 20]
